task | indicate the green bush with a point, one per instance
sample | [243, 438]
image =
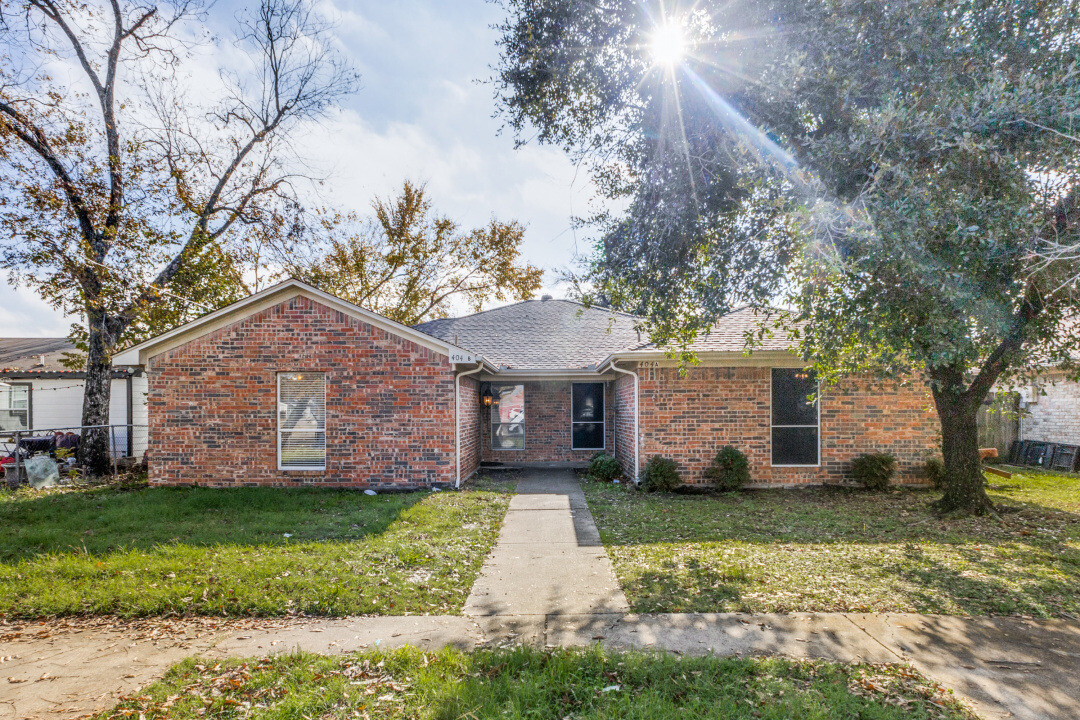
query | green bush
[604, 468]
[730, 469]
[661, 475]
[874, 471]
[934, 469]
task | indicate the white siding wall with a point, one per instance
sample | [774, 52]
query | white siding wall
[1054, 414]
[58, 404]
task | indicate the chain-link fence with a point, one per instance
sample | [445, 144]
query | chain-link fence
[28, 455]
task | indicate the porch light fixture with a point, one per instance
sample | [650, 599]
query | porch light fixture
[486, 398]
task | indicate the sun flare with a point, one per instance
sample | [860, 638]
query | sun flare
[668, 44]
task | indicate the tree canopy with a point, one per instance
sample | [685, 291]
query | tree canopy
[891, 171]
[410, 264]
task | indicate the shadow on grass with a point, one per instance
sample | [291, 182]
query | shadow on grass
[101, 521]
[672, 584]
[1037, 583]
[884, 551]
[817, 515]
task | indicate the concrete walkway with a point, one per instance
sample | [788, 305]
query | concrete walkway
[549, 582]
[548, 562]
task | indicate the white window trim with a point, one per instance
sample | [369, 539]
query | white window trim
[491, 425]
[277, 414]
[603, 416]
[817, 402]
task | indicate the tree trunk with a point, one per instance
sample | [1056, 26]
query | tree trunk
[94, 448]
[964, 481]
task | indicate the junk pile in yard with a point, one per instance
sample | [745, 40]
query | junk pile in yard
[1048, 455]
[47, 458]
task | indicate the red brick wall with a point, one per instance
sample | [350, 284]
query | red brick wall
[470, 426]
[390, 409]
[689, 418]
[547, 426]
[625, 432]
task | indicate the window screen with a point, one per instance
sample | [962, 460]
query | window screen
[587, 416]
[795, 432]
[508, 417]
[14, 407]
[302, 421]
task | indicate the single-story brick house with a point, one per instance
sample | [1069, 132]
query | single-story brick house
[295, 386]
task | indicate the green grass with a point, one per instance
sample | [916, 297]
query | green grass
[241, 551]
[528, 683]
[833, 549]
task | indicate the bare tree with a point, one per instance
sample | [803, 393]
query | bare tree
[118, 181]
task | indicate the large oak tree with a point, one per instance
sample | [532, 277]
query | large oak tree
[894, 170]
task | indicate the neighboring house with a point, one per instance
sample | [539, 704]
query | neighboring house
[38, 393]
[1050, 409]
[294, 386]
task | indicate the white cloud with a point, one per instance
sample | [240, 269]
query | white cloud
[24, 314]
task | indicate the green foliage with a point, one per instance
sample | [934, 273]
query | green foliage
[934, 470]
[874, 471]
[604, 468]
[410, 264]
[661, 474]
[730, 469]
[907, 172]
[525, 682]
[241, 551]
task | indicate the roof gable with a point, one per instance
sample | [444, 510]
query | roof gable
[139, 354]
[546, 334]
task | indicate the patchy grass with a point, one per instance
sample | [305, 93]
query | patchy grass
[528, 683]
[835, 549]
[241, 551]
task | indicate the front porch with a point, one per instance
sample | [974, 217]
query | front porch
[542, 422]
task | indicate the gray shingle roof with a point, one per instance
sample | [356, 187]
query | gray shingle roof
[562, 334]
[729, 333]
[539, 334]
[25, 354]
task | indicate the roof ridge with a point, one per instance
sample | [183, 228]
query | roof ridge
[523, 302]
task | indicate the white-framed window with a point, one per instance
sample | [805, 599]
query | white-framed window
[587, 428]
[508, 417]
[796, 421]
[301, 409]
[15, 406]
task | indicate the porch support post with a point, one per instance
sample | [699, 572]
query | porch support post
[457, 417]
[637, 419]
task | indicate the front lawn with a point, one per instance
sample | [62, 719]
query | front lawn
[241, 551]
[833, 549]
[528, 683]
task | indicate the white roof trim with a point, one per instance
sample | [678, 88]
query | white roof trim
[139, 354]
[722, 358]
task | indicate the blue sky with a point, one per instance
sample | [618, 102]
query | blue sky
[422, 113]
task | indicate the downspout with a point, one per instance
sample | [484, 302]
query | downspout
[457, 417]
[130, 413]
[637, 418]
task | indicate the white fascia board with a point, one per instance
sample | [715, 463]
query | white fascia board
[712, 358]
[523, 374]
[139, 354]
